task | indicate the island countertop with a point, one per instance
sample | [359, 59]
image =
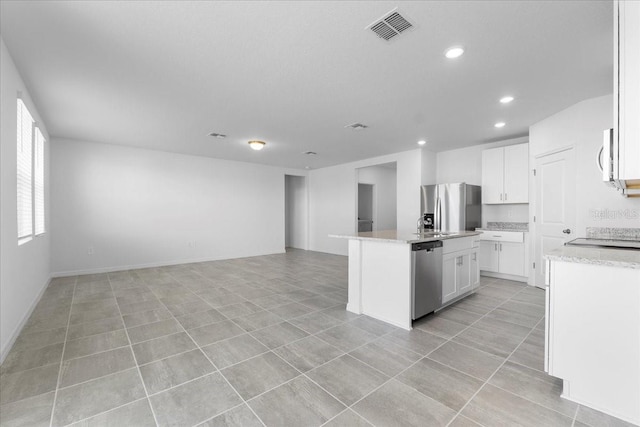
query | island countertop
[596, 256]
[395, 236]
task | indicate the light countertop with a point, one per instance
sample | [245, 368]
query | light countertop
[395, 236]
[596, 256]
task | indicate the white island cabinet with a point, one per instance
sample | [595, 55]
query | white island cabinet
[381, 272]
[593, 328]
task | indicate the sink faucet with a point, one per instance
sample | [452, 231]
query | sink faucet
[420, 224]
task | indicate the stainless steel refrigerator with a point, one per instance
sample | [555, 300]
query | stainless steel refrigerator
[451, 207]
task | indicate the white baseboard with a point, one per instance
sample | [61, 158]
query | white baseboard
[154, 264]
[5, 351]
[504, 276]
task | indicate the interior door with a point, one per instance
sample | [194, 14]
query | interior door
[555, 206]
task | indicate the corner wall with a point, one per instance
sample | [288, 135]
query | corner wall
[25, 269]
[117, 207]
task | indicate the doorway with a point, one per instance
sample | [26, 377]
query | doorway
[376, 198]
[555, 206]
[295, 212]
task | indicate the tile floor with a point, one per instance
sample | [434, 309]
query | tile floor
[267, 341]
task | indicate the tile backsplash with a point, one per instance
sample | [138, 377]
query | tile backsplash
[613, 233]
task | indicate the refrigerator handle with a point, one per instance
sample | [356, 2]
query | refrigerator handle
[438, 218]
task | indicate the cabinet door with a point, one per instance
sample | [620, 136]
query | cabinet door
[463, 273]
[511, 258]
[492, 175]
[449, 289]
[516, 174]
[488, 256]
[475, 269]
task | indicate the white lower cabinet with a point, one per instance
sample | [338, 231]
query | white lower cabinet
[504, 257]
[460, 270]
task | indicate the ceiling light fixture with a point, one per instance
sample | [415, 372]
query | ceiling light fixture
[506, 99]
[454, 52]
[257, 145]
[499, 124]
[422, 142]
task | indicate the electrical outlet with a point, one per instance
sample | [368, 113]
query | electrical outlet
[90, 250]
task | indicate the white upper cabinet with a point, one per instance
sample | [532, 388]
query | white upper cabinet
[627, 90]
[505, 176]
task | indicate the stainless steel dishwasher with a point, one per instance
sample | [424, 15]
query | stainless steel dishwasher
[427, 277]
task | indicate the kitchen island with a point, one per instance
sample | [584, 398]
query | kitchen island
[381, 271]
[593, 327]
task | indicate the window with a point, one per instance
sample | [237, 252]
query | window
[30, 176]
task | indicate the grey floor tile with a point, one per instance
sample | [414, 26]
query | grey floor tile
[28, 359]
[271, 301]
[535, 386]
[531, 352]
[159, 348]
[441, 383]
[396, 404]
[139, 307]
[188, 308]
[257, 320]
[277, 335]
[291, 310]
[136, 414]
[347, 378]
[297, 403]
[163, 374]
[499, 341]
[346, 337]
[194, 402]
[86, 368]
[340, 313]
[308, 353]
[221, 301]
[91, 398]
[440, 326]
[498, 292]
[479, 304]
[259, 374]
[459, 315]
[315, 322]
[299, 294]
[531, 295]
[93, 315]
[473, 362]
[415, 340]
[201, 318]
[234, 350]
[594, 418]
[144, 317]
[519, 313]
[153, 330]
[37, 340]
[215, 332]
[493, 406]
[25, 384]
[239, 309]
[94, 328]
[373, 326]
[318, 302]
[461, 421]
[32, 412]
[240, 416]
[348, 418]
[95, 344]
[385, 357]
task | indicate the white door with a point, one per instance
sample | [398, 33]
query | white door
[555, 183]
[488, 256]
[511, 258]
[475, 269]
[492, 175]
[463, 274]
[449, 289]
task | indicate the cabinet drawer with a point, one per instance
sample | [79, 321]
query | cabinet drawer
[503, 236]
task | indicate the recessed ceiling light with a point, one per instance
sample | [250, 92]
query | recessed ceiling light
[506, 99]
[307, 167]
[357, 126]
[422, 142]
[217, 135]
[257, 145]
[454, 52]
[500, 124]
[309, 153]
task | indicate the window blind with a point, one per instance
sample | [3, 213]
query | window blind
[38, 182]
[24, 171]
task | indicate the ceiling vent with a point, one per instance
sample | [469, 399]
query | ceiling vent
[357, 126]
[390, 25]
[217, 135]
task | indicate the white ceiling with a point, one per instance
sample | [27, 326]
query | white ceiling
[163, 74]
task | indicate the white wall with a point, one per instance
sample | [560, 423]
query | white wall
[465, 165]
[134, 207]
[385, 199]
[429, 167]
[333, 202]
[296, 211]
[581, 126]
[24, 269]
